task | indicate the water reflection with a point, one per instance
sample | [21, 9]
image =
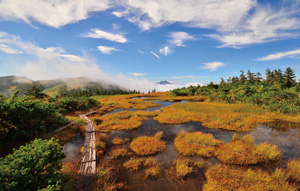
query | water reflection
[72, 149]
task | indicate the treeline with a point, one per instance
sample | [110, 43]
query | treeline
[21, 118]
[92, 91]
[279, 91]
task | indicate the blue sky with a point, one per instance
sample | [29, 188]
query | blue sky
[138, 42]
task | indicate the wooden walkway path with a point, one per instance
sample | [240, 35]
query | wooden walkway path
[88, 162]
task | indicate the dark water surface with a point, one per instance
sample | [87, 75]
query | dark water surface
[72, 149]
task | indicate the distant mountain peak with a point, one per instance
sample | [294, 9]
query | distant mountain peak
[164, 82]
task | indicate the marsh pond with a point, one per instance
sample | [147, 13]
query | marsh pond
[155, 143]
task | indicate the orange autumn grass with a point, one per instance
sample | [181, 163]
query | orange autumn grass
[166, 96]
[124, 120]
[152, 167]
[293, 170]
[191, 143]
[223, 177]
[126, 102]
[184, 167]
[237, 117]
[145, 145]
[118, 153]
[70, 132]
[119, 141]
[242, 151]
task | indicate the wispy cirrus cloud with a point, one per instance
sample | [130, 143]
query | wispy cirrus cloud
[138, 74]
[100, 34]
[154, 54]
[212, 66]
[6, 49]
[237, 23]
[165, 50]
[107, 49]
[176, 39]
[51, 13]
[280, 55]
[47, 63]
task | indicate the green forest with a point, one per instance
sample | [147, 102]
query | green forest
[278, 91]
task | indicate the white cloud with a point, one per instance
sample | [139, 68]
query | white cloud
[236, 22]
[197, 13]
[52, 13]
[106, 49]
[264, 25]
[53, 62]
[165, 51]
[212, 66]
[97, 33]
[137, 74]
[48, 63]
[154, 54]
[6, 49]
[281, 55]
[178, 38]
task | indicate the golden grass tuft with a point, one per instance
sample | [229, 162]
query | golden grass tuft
[133, 164]
[223, 177]
[152, 172]
[243, 151]
[293, 170]
[100, 144]
[196, 143]
[124, 120]
[185, 167]
[119, 141]
[117, 153]
[150, 162]
[237, 117]
[145, 145]
[152, 167]
[105, 179]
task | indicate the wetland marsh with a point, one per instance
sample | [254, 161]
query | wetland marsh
[233, 137]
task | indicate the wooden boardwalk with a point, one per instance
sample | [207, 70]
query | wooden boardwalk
[88, 162]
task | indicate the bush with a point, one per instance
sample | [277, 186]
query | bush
[34, 166]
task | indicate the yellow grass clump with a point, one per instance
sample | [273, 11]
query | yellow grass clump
[185, 167]
[152, 167]
[293, 170]
[145, 145]
[119, 141]
[124, 120]
[237, 117]
[223, 177]
[243, 151]
[133, 164]
[196, 143]
[100, 144]
[117, 153]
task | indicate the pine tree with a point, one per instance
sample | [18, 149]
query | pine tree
[289, 77]
[242, 77]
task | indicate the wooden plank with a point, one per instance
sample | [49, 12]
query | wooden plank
[88, 162]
